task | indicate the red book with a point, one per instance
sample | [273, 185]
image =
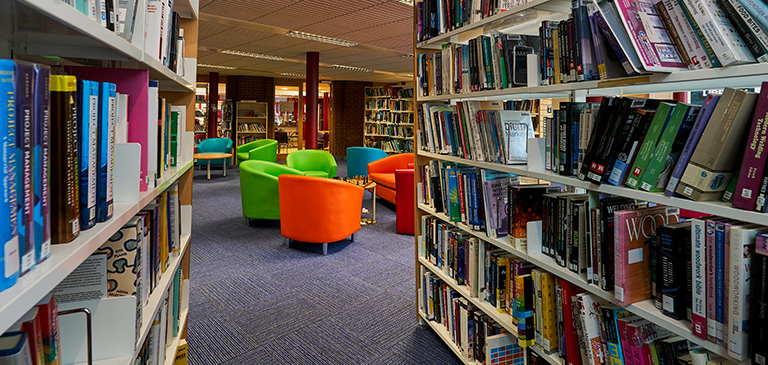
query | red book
[634, 231]
[626, 345]
[572, 351]
[753, 163]
[30, 323]
[49, 327]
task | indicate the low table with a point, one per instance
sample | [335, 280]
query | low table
[213, 156]
[367, 185]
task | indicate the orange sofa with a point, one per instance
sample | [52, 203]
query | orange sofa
[318, 210]
[382, 172]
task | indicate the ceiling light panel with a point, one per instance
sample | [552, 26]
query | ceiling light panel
[292, 74]
[350, 68]
[406, 2]
[319, 38]
[205, 65]
[250, 54]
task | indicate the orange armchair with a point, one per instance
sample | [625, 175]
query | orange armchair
[318, 210]
[383, 173]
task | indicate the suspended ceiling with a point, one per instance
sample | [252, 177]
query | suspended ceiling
[383, 30]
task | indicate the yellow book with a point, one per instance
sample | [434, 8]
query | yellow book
[181, 353]
[556, 50]
[502, 284]
[163, 231]
[549, 338]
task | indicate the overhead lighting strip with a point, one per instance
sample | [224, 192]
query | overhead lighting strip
[291, 74]
[350, 68]
[406, 2]
[250, 54]
[216, 66]
[319, 38]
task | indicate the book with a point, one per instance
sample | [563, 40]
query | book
[607, 246]
[525, 202]
[698, 276]
[30, 324]
[517, 127]
[669, 147]
[754, 37]
[14, 349]
[721, 34]
[629, 146]
[41, 165]
[690, 145]
[181, 353]
[632, 230]
[649, 145]
[495, 197]
[87, 124]
[49, 326]
[611, 313]
[590, 310]
[673, 239]
[10, 259]
[106, 151]
[758, 301]
[755, 156]
[711, 56]
[24, 123]
[707, 174]
[65, 206]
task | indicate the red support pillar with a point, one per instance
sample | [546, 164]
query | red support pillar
[213, 100]
[313, 64]
[325, 111]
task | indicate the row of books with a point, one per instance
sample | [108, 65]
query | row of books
[251, 127]
[391, 145]
[35, 338]
[241, 140]
[402, 93]
[165, 327]
[479, 338]
[401, 105]
[379, 91]
[662, 146]
[200, 127]
[473, 130]
[437, 17]
[402, 118]
[389, 130]
[375, 104]
[377, 116]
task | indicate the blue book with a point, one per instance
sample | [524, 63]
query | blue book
[439, 247]
[87, 133]
[9, 255]
[25, 75]
[42, 154]
[447, 121]
[106, 151]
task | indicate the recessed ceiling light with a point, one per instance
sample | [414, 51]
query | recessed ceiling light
[406, 2]
[250, 54]
[408, 75]
[292, 74]
[351, 68]
[410, 55]
[285, 88]
[319, 38]
[216, 66]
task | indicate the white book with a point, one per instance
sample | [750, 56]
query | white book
[463, 341]
[126, 16]
[121, 124]
[431, 300]
[481, 270]
[154, 341]
[696, 52]
[742, 249]
[173, 195]
[102, 4]
[163, 333]
[699, 278]
[721, 34]
[517, 127]
[153, 93]
[420, 298]
[165, 47]
[93, 10]
[473, 283]
[590, 313]
[145, 262]
[472, 107]
[152, 28]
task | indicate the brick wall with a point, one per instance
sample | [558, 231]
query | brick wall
[254, 88]
[348, 108]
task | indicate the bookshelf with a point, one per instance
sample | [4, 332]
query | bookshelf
[62, 31]
[738, 76]
[225, 127]
[388, 122]
[252, 121]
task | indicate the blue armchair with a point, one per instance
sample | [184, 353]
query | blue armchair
[214, 145]
[359, 157]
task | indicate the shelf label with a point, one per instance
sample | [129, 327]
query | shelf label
[635, 256]
[11, 251]
[618, 292]
[28, 260]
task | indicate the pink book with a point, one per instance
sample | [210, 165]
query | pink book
[753, 163]
[134, 83]
[761, 244]
[621, 323]
[637, 353]
[633, 230]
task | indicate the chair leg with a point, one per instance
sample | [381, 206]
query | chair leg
[325, 248]
[288, 242]
[352, 238]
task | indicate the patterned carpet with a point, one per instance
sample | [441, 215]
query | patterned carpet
[255, 301]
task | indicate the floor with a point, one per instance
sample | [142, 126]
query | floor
[255, 301]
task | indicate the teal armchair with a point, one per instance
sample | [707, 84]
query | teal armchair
[313, 163]
[262, 150]
[214, 145]
[259, 188]
[359, 157]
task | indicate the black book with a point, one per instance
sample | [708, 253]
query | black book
[434, 30]
[480, 323]
[545, 225]
[564, 143]
[436, 291]
[758, 324]
[599, 164]
[626, 131]
[439, 73]
[173, 59]
[739, 21]
[575, 246]
[629, 144]
[571, 51]
[562, 34]
[673, 238]
[561, 225]
[607, 208]
[601, 122]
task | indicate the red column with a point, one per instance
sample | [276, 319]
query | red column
[325, 111]
[213, 99]
[313, 64]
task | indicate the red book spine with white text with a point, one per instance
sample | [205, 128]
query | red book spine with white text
[753, 163]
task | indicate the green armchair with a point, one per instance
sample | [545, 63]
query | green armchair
[259, 188]
[313, 163]
[262, 150]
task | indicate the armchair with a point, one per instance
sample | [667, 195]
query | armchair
[263, 150]
[359, 157]
[214, 145]
[259, 191]
[383, 173]
[330, 207]
[313, 163]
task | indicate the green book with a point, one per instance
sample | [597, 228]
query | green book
[488, 61]
[664, 147]
[174, 137]
[649, 145]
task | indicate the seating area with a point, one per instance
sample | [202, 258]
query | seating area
[214, 145]
[262, 150]
[313, 163]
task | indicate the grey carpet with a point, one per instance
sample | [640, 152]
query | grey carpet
[255, 301]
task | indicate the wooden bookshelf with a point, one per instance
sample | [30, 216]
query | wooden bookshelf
[62, 31]
[739, 76]
[388, 120]
[252, 121]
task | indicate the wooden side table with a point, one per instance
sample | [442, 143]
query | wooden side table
[213, 156]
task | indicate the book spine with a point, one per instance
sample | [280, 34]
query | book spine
[690, 145]
[611, 337]
[87, 146]
[755, 39]
[42, 130]
[699, 272]
[671, 26]
[106, 151]
[9, 259]
[758, 316]
[710, 53]
[760, 202]
[720, 282]
[728, 52]
[739, 266]
[24, 164]
[758, 9]
[755, 156]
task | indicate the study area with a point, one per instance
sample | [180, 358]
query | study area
[479, 182]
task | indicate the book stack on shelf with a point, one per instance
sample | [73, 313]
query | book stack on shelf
[389, 119]
[638, 218]
[252, 121]
[97, 151]
[226, 119]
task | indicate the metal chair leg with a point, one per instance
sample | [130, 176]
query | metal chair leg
[288, 242]
[325, 248]
[352, 238]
